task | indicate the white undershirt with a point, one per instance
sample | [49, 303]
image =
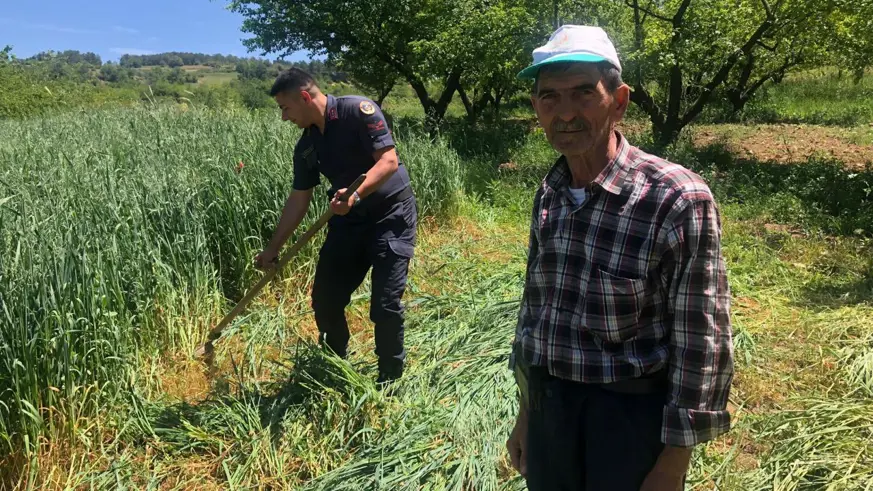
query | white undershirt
[579, 195]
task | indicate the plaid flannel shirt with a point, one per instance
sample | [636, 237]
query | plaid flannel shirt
[629, 282]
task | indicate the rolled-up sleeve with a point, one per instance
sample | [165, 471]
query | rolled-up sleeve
[701, 359]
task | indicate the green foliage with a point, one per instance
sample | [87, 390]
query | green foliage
[175, 58]
[71, 57]
[28, 92]
[680, 56]
[418, 41]
[113, 73]
[824, 96]
[114, 225]
[852, 37]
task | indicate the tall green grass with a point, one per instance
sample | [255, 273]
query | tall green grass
[818, 96]
[121, 234]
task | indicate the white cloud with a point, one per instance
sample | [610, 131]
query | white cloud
[152, 39]
[131, 51]
[47, 27]
[54, 28]
[126, 30]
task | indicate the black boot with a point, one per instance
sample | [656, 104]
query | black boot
[326, 346]
[389, 371]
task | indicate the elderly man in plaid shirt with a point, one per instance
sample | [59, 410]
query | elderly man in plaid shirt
[623, 348]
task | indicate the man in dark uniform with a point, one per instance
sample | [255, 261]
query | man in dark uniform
[344, 137]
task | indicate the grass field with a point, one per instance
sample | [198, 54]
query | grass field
[124, 235]
[216, 78]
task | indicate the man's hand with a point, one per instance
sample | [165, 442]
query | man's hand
[517, 443]
[266, 259]
[669, 471]
[341, 206]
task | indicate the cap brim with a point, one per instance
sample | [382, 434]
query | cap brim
[530, 72]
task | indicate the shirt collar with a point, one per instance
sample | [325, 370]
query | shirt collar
[611, 178]
[330, 111]
[330, 114]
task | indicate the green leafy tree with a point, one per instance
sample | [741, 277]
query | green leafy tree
[852, 37]
[680, 56]
[112, 73]
[498, 43]
[253, 69]
[388, 33]
[427, 43]
[369, 74]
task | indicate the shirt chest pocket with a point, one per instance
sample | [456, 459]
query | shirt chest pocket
[611, 306]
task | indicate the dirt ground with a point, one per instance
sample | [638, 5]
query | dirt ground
[787, 143]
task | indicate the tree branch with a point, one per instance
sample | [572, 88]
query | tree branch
[771, 76]
[725, 69]
[680, 14]
[674, 99]
[768, 48]
[643, 99]
[638, 41]
[466, 100]
[635, 5]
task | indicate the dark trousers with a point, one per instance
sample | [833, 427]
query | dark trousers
[353, 245]
[584, 437]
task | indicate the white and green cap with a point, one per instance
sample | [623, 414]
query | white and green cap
[573, 43]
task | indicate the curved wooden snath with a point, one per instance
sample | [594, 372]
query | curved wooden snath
[206, 349]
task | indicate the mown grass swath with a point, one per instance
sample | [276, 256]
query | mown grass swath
[123, 231]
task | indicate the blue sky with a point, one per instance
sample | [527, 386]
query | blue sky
[112, 28]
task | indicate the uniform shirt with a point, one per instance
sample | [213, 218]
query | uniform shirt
[629, 282]
[354, 128]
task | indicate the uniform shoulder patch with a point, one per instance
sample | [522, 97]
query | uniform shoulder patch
[367, 107]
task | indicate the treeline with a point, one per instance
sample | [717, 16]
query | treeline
[177, 58]
[679, 57]
[266, 69]
[70, 56]
[51, 81]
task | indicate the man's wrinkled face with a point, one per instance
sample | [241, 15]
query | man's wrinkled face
[574, 107]
[294, 106]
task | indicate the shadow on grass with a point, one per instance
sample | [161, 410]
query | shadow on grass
[838, 291]
[318, 390]
[816, 195]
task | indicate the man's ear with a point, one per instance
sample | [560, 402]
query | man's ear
[306, 96]
[622, 99]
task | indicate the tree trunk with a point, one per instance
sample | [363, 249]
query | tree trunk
[858, 75]
[435, 111]
[471, 110]
[383, 93]
[738, 102]
[555, 21]
[496, 101]
[666, 133]
[453, 82]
